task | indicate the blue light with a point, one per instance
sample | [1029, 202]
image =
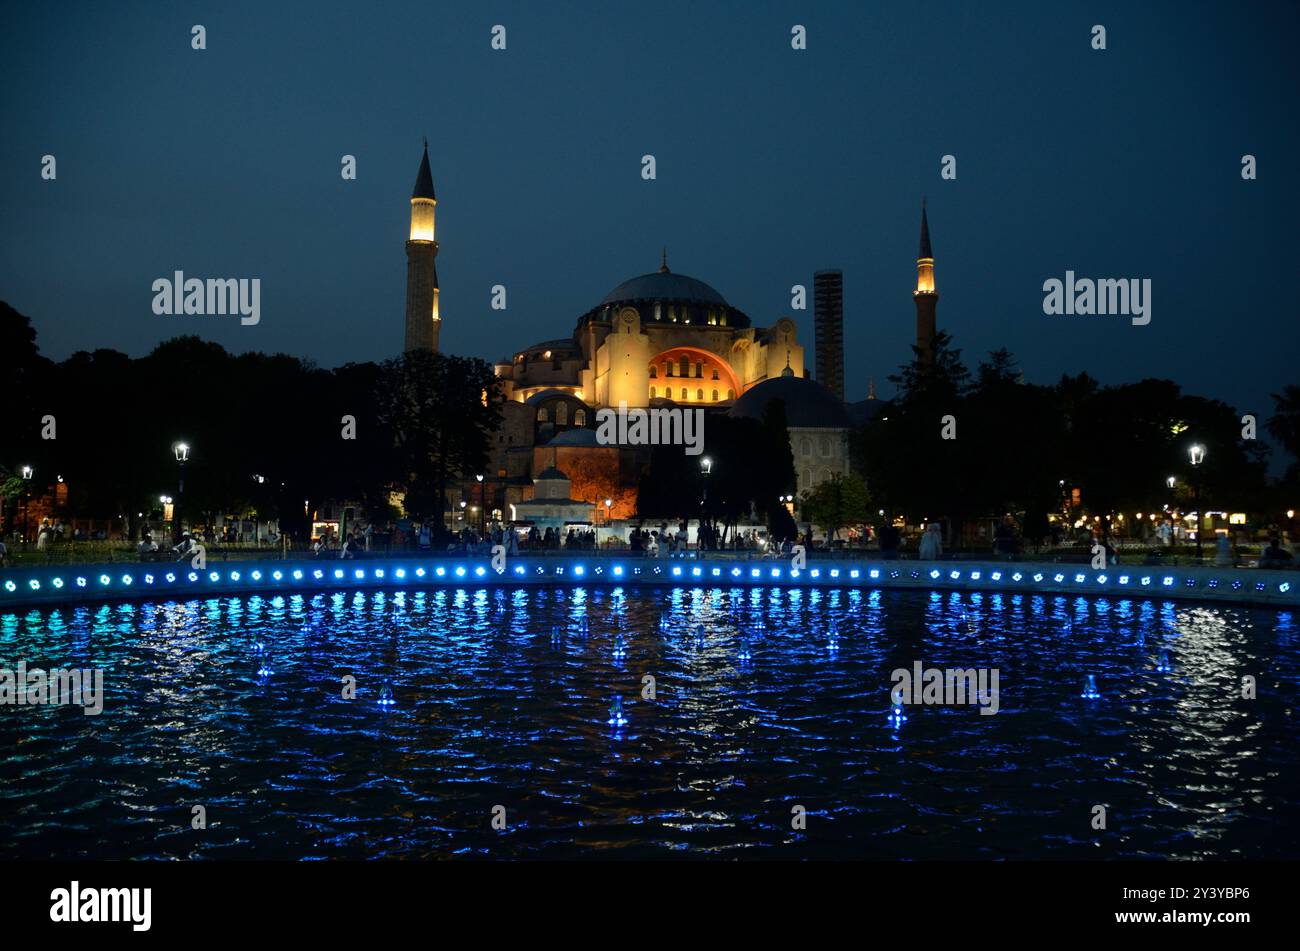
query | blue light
[1017, 576]
[34, 585]
[1284, 587]
[234, 576]
[440, 571]
[855, 573]
[934, 572]
[735, 572]
[696, 572]
[481, 571]
[1167, 580]
[419, 572]
[618, 571]
[716, 572]
[460, 571]
[874, 573]
[677, 572]
[954, 575]
[193, 576]
[10, 587]
[794, 572]
[835, 572]
[519, 569]
[257, 576]
[974, 576]
[81, 582]
[1038, 577]
[1146, 579]
[1101, 579]
[616, 717]
[338, 572]
[104, 579]
[379, 572]
[297, 574]
[1123, 579]
[816, 573]
[776, 572]
[1162, 665]
[358, 574]
[264, 671]
[148, 579]
[1079, 579]
[386, 696]
[213, 576]
[171, 577]
[1058, 578]
[996, 576]
[754, 572]
[318, 574]
[1090, 689]
[578, 570]
[58, 582]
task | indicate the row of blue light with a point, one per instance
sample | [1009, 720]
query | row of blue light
[579, 571]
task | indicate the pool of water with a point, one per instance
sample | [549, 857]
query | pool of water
[502, 697]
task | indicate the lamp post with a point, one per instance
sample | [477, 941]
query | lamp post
[1197, 455]
[706, 466]
[27, 499]
[181, 451]
[482, 505]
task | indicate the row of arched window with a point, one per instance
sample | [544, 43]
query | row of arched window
[686, 394]
[562, 415]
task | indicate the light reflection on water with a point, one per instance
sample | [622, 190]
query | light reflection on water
[490, 709]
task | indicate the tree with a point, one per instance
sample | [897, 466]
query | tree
[837, 503]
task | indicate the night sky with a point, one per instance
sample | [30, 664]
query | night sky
[772, 164]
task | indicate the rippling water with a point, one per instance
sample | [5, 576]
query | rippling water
[493, 710]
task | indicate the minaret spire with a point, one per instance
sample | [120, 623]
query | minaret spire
[663, 265]
[423, 322]
[925, 295]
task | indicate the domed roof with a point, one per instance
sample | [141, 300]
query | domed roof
[575, 437]
[551, 473]
[542, 396]
[807, 403]
[664, 285]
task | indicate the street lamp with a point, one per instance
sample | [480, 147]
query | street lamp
[181, 451]
[706, 466]
[482, 504]
[1197, 454]
[27, 497]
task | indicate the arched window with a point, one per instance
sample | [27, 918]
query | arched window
[652, 392]
[715, 396]
[715, 373]
[699, 369]
[805, 447]
[654, 374]
[580, 417]
[668, 369]
[731, 394]
[826, 446]
[562, 414]
[543, 416]
[699, 395]
[686, 367]
[668, 393]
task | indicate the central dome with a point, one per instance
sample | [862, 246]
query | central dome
[666, 286]
[663, 297]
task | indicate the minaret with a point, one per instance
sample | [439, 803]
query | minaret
[927, 298]
[422, 320]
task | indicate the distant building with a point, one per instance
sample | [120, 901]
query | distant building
[925, 295]
[828, 324]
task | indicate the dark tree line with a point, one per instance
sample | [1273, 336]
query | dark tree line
[1020, 448]
[267, 432]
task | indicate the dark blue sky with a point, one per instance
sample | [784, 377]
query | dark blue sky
[771, 164]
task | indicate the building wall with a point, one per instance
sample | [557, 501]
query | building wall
[819, 453]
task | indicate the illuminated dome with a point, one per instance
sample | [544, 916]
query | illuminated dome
[665, 297]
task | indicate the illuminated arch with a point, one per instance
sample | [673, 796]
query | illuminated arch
[702, 364]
